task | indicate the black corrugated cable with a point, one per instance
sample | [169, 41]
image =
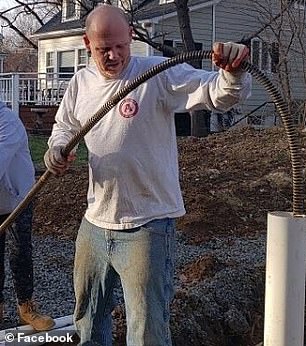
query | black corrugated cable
[281, 106]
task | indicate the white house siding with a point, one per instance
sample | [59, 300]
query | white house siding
[74, 42]
[139, 48]
[56, 45]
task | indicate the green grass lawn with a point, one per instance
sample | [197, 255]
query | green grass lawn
[38, 147]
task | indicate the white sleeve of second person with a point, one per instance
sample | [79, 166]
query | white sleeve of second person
[10, 135]
[194, 89]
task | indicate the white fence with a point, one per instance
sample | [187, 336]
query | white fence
[32, 88]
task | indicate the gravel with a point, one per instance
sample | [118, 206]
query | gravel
[53, 291]
[221, 298]
[244, 251]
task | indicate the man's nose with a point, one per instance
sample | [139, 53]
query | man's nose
[113, 53]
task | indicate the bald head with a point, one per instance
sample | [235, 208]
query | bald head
[108, 37]
[105, 18]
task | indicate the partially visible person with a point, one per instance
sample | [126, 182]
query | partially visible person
[16, 179]
[134, 196]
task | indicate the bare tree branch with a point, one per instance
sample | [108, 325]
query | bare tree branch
[18, 31]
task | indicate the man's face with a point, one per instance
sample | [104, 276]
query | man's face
[110, 50]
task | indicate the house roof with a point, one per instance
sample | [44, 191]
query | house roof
[147, 10]
[150, 9]
[56, 24]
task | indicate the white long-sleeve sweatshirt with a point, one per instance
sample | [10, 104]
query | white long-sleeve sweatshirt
[16, 168]
[133, 163]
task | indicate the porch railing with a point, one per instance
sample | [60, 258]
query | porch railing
[47, 89]
[32, 88]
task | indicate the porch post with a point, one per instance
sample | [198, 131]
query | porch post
[15, 93]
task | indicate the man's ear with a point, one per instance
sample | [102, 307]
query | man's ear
[86, 42]
[131, 32]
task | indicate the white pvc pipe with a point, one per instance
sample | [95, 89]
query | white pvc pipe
[285, 280]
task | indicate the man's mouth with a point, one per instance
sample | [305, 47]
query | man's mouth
[113, 65]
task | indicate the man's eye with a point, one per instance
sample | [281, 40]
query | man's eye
[103, 51]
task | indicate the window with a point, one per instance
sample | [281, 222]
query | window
[265, 55]
[50, 63]
[66, 64]
[82, 58]
[71, 10]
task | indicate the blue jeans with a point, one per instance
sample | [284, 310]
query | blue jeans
[20, 255]
[142, 258]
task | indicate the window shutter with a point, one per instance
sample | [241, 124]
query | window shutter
[265, 56]
[66, 64]
[66, 59]
[255, 52]
[179, 45]
[274, 56]
[198, 45]
[168, 43]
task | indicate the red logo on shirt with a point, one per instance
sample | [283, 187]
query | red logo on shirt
[128, 108]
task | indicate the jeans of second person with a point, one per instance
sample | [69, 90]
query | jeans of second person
[20, 255]
[142, 258]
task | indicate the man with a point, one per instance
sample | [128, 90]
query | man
[16, 179]
[134, 193]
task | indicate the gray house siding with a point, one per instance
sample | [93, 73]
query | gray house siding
[202, 29]
[234, 21]
[297, 69]
[201, 22]
[238, 19]
[233, 24]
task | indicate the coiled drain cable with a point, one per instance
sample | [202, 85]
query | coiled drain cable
[281, 106]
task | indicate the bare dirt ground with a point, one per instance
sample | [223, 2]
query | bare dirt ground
[230, 181]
